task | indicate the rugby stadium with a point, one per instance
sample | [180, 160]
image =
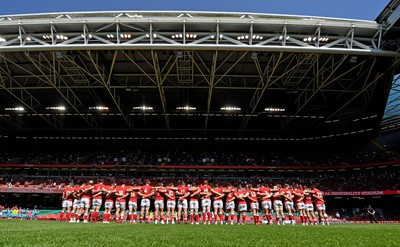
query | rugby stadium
[115, 101]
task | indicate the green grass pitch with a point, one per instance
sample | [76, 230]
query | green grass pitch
[51, 233]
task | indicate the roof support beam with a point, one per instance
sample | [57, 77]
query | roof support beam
[270, 68]
[156, 66]
[363, 75]
[211, 83]
[106, 83]
[366, 87]
[351, 34]
[231, 67]
[369, 92]
[13, 120]
[303, 64]
[304, 98]
[244, 87]
[27, 99]
[251, 31]
[317, 35]
[69, 95]
[159, 79]
[200, 66]
[284, 36]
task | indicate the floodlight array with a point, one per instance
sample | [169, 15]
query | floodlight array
[247, 37]
[187, 36]
[60, 108]
[272, 109]
[14, 109]
[310, 38]
[231, 108]
[186, 108]
[143, 108]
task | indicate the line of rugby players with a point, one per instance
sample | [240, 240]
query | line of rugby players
[77, 200]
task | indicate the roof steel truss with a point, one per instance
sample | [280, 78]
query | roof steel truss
[159, 30]
[305, 63]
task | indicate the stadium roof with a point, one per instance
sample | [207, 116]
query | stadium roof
[390, 16]
[191, 75]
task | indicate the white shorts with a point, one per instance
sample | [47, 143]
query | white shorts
[85, 202]
[301, 206]
[120, 204]
[132, 205]
[159, 204]
[309, 207]
[109, 204]
[320, 206]
[194, 204]
[242, 207]
[278, 205]
[171, 204]
[254, 205]
[67, 204]
[289, 205]
[266, 204]
[218, 204]
[230, 205]
[206, 203]
[182, 204]
[145, 203]
[97, 202]
[77, 203]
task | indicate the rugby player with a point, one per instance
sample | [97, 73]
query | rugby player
[109, 192]
[218, 194]
[146, 191]
[183, 193]
[171, 203]
[205, 192]
[97, 200]
[194, 203]
[320, 205]
[265, 193]
[159, 191]
[132, 203]
[278, 205]
[241, 196]
[288, 202]
[254, 205]
[230, 203]
[299, 199]
[120, 202]
[67, 198]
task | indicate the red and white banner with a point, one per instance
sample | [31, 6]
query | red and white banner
[31, 190]
[362, 193]
[326, 193]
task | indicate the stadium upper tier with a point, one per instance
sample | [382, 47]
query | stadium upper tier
[277, 157]
[192, 75]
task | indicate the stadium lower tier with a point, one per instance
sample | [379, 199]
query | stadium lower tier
[348, 208]
[375, 177]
